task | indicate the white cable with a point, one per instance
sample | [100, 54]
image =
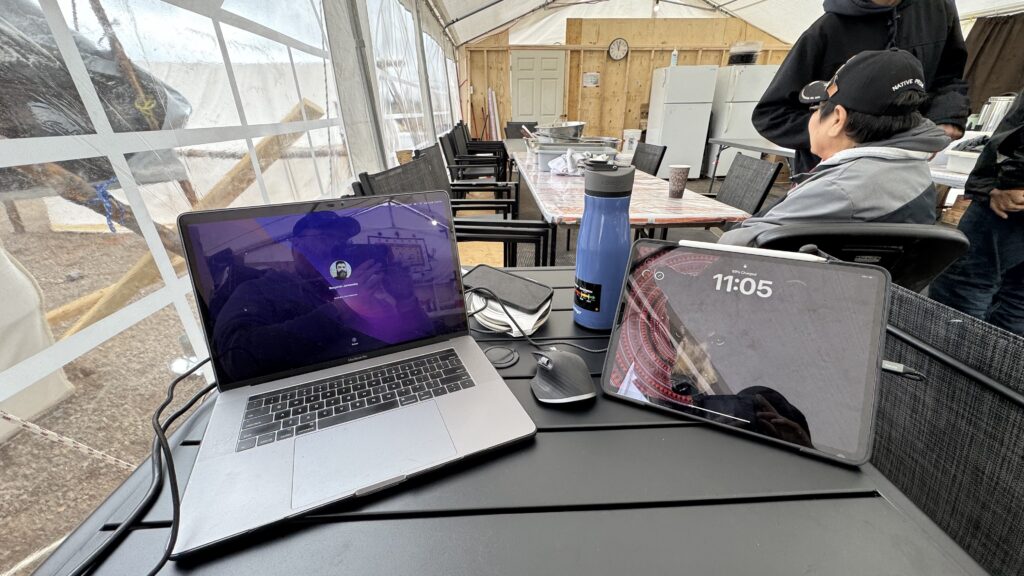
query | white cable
[64, 441]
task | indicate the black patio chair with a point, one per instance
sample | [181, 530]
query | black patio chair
[647, 157]
[952, 442]
[513, 130]
[914, 254]
[495, 150]
[420, 176]
[748, 183]
[511, 233]
[413, 177]
[439, 179]
[468, 167]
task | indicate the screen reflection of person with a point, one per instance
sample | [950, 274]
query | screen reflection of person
[758, 409]
[280, 319]
[372, 291]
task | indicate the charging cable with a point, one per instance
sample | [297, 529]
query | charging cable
[549, 345]
[902, 371]
[161, 450]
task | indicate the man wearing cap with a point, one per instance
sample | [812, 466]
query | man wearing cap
[273, 315]
[874, 145]
[988, 282]
[929, 29]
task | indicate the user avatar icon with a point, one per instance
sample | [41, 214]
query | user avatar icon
[340, 270]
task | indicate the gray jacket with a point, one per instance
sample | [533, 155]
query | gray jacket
[875, 182]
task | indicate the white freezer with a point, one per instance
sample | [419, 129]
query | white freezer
[743, 83]
[737, 91]
[679, 112]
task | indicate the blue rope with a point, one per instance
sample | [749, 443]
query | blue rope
[103, 197]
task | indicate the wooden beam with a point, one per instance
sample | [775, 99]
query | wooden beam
[591, 48]
[76, 190]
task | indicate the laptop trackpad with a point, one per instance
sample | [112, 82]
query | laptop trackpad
[338, 461]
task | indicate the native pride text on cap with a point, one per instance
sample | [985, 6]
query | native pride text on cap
[908, 82]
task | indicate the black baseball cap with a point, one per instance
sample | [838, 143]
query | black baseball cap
[869, 82]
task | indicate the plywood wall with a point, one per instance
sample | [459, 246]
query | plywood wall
[488, 66]
[625, 87]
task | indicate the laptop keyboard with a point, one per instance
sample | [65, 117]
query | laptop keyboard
[301, 409]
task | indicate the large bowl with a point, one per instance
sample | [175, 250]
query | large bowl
[561, 130]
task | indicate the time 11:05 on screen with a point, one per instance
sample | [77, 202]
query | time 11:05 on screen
[746, 285]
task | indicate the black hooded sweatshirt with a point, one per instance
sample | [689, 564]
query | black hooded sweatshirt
[928, 29]
[1001, 164]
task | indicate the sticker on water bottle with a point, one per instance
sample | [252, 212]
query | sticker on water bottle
[587, 295]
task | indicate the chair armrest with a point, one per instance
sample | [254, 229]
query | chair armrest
[525, 224]
[483, 186]
[499, 205]
[486, 146]
[477, 159]
[477, 183]
[474, 201]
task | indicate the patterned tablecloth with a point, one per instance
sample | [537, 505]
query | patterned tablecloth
[560, 199]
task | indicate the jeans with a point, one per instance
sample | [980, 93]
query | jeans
[988, 282]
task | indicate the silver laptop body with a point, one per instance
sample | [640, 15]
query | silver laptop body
[273, 449]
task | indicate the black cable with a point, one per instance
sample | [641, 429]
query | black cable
[161, 435]
[156, 482]
[501, 303]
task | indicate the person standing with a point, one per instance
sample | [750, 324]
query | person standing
[988, 282]
[928, 29]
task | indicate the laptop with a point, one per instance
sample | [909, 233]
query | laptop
[785, 347]
[338, 335]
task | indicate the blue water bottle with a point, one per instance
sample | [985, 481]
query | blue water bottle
[602, 251]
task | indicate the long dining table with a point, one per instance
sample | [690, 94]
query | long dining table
[560, 199]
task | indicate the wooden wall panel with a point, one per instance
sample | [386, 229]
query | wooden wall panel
[499, 79]
[592, 103]
[624, 92]
[638, 83]
[573, 32]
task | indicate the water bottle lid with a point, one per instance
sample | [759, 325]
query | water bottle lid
[609, 184]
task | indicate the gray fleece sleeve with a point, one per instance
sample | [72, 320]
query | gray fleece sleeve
[814, 201]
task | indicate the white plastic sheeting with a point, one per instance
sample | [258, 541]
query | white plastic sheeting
[547, 25]
[784, 19]
[393, 33]
[437, 75]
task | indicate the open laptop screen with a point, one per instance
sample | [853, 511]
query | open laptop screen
[293, 288]
[780, 347]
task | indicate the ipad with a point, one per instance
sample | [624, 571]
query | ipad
[783, 346]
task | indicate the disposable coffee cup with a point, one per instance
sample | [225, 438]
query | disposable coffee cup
[678, 175]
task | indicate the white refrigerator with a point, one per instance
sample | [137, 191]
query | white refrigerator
[679, 113]
[737, 91]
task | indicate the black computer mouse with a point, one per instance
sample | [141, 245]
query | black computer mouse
[562, 378]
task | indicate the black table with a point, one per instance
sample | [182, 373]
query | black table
[609, 489]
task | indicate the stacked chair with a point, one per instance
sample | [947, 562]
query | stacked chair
[474, 159]
[471, 166]
[429, 171]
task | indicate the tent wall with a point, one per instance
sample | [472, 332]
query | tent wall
[625, 86]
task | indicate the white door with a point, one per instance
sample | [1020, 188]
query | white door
[538, 85]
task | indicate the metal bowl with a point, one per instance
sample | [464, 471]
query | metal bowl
[560, 130]
[603, 140]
